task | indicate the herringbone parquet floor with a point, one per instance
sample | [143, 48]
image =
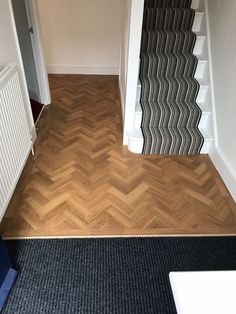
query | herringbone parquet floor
[83, 182]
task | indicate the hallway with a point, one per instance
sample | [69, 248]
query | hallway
[83, 182]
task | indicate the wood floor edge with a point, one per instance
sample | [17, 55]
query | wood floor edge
[119, 236]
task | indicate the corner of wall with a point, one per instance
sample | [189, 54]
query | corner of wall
[225, 170]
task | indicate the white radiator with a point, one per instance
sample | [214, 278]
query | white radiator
[15, 139]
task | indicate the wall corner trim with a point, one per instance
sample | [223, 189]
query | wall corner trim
[225, 170]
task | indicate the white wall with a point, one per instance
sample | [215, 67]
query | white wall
[131, 28]
[10, 53]
[81, 36]
[222, 32]
[124, 49]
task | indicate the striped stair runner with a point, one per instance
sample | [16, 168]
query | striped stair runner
[169, 90]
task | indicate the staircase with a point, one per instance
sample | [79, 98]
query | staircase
[173, 104]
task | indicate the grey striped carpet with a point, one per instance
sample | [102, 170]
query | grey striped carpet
[169, 90]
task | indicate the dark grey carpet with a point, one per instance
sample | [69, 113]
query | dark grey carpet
[169, 90]
[108, 275]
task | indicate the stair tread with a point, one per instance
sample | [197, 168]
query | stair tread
[201, 59]
[169, 54]
[205, 108]
[137, 134]
[169, 9]
[202, 82]
[198, 34]
[196, 12]
[169, 4]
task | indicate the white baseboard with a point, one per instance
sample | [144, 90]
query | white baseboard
[75, 69]
[225, 169]
[122, 100]
[33, 135]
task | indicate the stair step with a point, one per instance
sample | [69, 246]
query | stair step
[202, 94]
[208, 140]
[205, 107]
[201, 98]
[202, 81]
[138, 116]
[201, 69]
[204, 120]
[135, 141]
[195, 4]
[198, 22]
[199, 45]
[206, 113]
[206, 103]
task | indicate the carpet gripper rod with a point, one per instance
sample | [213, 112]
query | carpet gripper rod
[169, 90]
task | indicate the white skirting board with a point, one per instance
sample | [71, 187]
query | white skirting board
[122, 100]
[225, 170]
[76, 69]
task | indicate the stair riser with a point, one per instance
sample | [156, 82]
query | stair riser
[204, 120]
[198, 22]
[201, 69]
[202, 125]
[202, 94]
[136, 146]
[137, 120]
[199, 74]
[138, 94]
[199, 48]
[195, 4]
[206, 148]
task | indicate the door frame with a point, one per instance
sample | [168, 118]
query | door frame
[37, 45]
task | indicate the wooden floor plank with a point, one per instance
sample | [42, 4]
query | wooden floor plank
[83, 182]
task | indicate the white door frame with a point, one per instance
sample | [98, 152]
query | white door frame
[36, 40]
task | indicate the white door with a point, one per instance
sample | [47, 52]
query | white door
[29, 36]
[23, 33]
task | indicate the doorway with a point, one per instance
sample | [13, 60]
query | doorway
[29, 37]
